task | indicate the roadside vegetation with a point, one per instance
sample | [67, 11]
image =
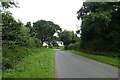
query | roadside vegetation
[99, 33]
[22, 53]
[40, 64]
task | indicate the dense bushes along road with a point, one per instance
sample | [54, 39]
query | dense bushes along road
[20, 40]
[38, 64]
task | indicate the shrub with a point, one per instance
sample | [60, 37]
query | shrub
[74, 46]
[12, 56]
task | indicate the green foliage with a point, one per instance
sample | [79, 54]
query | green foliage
[8, 4]
[20, 41]
[31, 29]
[37, 65]
[45, 30]
[15, 38]
[4, 6]
[67, 37]
[28, 24]
[100, 32]
[18, 33]
[10, 27]
[13, 55]
[99, 29]
[76, 45]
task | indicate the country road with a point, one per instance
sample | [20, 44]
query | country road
[70, 65]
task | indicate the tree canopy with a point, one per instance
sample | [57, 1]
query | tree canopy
[100, 26]
[45, 30]
[67, 37]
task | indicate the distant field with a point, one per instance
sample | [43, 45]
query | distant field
[105, 59]
[37, 65]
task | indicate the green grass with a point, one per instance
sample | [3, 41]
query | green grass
[37, 65]
[105, 59]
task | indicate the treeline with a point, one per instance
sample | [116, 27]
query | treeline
[17, 41]
[20, 40]
[100, 28]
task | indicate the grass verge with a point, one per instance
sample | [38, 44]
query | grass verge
[37, 65]
[114, 61]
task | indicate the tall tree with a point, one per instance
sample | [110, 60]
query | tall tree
[99, 29]
[44, 30]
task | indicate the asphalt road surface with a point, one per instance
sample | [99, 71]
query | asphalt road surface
[70, 65]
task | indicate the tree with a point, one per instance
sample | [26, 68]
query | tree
[32, 31]
[99, 29]
[28, 24]
[67, 37]
[10, 27]
[15, 37]
[8, 22]
[44, 30]
[4, 6]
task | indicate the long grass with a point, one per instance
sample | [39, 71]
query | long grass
[114, 61]
[37, 65]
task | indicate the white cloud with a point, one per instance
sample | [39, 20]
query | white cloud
[61, 12]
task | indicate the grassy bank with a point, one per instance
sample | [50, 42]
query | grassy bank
[105, 59]
[40, 64]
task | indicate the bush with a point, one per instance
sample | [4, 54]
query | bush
[14, 55]
[74, 46]
[38, 43]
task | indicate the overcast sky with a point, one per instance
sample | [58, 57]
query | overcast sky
[61, 12]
